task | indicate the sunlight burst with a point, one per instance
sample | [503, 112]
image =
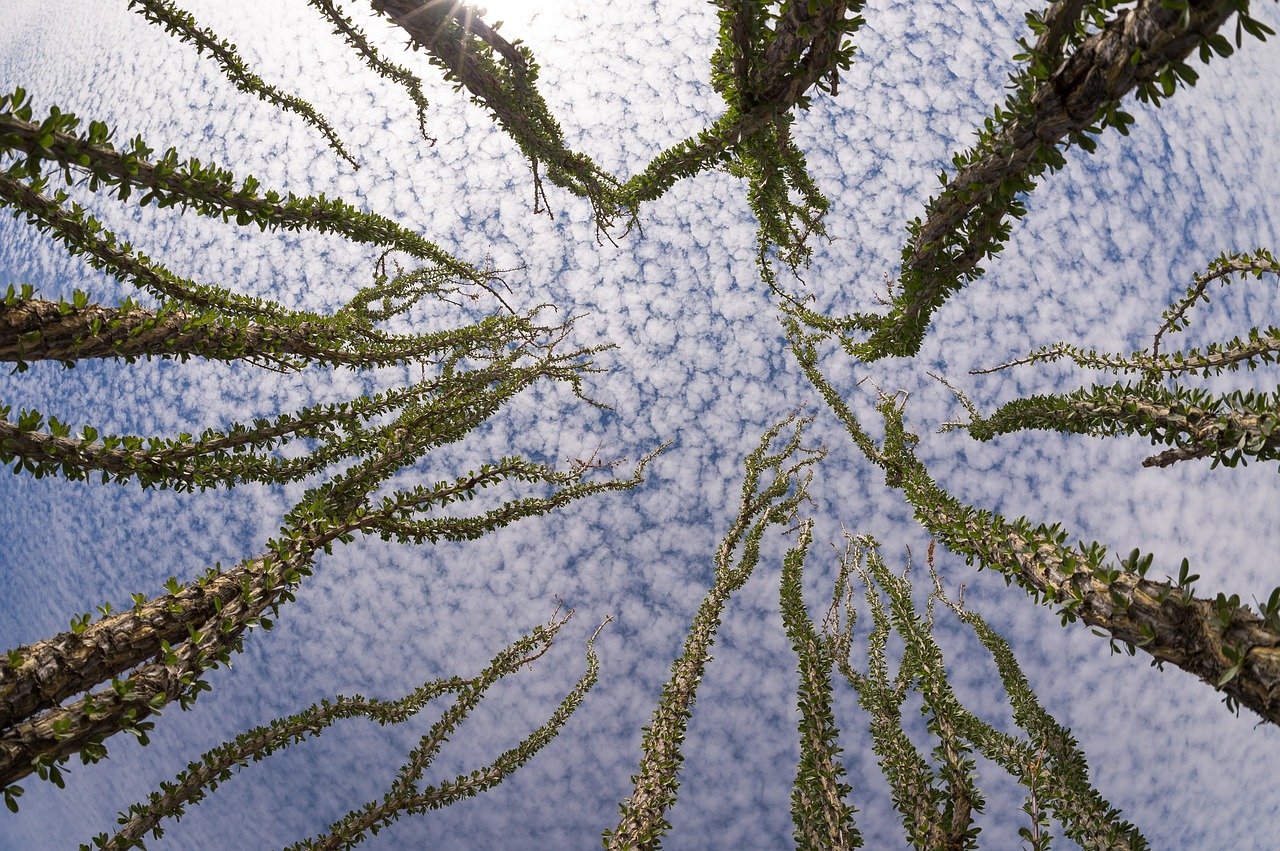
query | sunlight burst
[514, 11]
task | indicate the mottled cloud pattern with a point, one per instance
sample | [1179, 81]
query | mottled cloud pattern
[700, 361]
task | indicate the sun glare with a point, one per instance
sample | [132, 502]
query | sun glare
[511, 11]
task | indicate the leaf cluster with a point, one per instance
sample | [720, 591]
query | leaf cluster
[406, 796]
[1087, 56]
[937, 805]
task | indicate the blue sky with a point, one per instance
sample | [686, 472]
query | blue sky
[1106, 244]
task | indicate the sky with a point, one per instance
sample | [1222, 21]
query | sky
[700, 361]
